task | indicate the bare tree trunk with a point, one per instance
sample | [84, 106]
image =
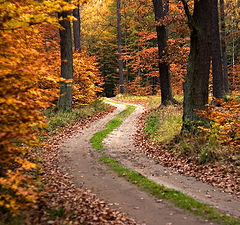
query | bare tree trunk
[77, 29]
[165, 79]
[125, 37]
[218, 82]
[223, 45]
[65, 99]
[165, 12]
[233, 56]
[197, 79]
[119, 38]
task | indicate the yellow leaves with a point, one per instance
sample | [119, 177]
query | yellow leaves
[29, 69]
[225, 123]
[87, 80]
[25, 163]
[15, 190]
[71, 18]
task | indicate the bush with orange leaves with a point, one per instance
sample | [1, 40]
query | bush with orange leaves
[87, 80]
[225, 123]
[27, 69]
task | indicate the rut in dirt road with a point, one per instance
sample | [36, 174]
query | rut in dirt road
[83, 163]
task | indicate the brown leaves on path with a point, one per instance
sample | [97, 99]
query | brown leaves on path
[60, 201]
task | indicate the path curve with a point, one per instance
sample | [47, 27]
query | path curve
[132, 158]
[82, 162]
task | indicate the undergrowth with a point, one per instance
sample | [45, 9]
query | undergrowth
[163, 127]
[163, 124]
[56, 120]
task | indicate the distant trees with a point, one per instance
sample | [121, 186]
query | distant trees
[119, 41]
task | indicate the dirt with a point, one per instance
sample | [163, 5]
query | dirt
[82, 162]
[60, 201]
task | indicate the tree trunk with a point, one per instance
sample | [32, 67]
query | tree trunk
[65, 99]
[165, 12]
[223, 44]
[218, 84]
[77, 29]
[197, 79]
[165, 80]
[125, 37]
[119, 38]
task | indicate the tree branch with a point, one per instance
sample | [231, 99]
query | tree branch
[188, 14]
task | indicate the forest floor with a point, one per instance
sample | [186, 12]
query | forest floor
[82, 162]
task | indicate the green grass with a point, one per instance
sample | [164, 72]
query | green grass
[8, 219]
[153, 101]
[152, 123]
[55, 212]
[178, 198]
[98, 138]
[163, 124]
[56, 120]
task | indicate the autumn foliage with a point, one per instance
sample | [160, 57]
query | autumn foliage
[87, 79]
[28, 75]
[225, 123]
[136, 88]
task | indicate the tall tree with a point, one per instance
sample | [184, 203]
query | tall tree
[125, 43]
[77, 28]
[65, 99]
[218, 82]
[165, 79]
[119, 38]
[223, 46]
[197, 79]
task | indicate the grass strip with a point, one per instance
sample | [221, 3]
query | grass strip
[98, 137]
[178, 198]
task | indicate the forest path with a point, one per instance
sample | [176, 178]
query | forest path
[82, 161]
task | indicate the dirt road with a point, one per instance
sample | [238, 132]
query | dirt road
[82, 162]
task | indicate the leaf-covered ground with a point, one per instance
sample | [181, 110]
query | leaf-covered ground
[216, 174]
[60, 201]
[220, 175]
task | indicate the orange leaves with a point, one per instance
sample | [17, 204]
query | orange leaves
[27, 75]
[17, 192]
[225, 122]
[87, 81]
[135, 88]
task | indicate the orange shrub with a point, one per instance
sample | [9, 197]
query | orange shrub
[225, 123]
[87, 80]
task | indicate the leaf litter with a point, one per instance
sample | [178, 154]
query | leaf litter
[60, 201]
[218, 175]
